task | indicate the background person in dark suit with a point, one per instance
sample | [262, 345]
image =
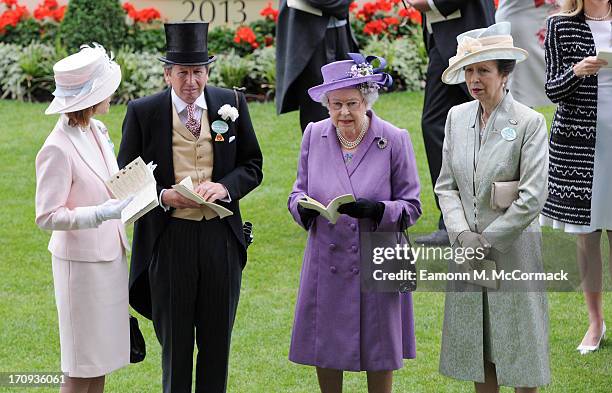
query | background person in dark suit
[186, 262]
[442, 21]
[304, 43]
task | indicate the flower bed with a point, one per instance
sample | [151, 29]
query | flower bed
[246, 55]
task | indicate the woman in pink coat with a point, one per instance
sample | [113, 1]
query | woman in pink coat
[88, 241]
[338, 325]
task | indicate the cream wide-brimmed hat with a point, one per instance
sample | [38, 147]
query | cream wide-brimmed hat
[474, 46]
[83, 80]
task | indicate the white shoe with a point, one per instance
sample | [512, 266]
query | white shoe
[586, 349]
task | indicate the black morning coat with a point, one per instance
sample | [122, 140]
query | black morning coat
[474, 15]
[147, 132]
[299, 34]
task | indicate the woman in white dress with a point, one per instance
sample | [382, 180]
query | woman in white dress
[579, 188]
[88, 242]
[528, 19]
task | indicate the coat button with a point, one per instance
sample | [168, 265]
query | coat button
[332, 246]
[355, 270]
[354, 249]
[353, 226]
[333, 269]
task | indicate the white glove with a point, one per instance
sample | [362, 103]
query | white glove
[473, 240]
[111, 209]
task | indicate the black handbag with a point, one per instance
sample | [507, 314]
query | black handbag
[138, 349]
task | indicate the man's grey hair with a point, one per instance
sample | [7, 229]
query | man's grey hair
[370, 96]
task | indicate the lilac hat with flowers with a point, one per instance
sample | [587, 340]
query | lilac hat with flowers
[358, 72]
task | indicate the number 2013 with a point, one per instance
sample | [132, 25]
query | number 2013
[208, 8]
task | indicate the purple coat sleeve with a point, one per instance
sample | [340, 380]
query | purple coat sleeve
[300, 187]
[405, 188]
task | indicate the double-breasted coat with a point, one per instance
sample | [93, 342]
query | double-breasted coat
[518, 330]
[336, 325]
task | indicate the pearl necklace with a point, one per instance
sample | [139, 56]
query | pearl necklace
[601, 18]
[350, 145]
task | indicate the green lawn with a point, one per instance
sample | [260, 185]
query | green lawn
[28, 319]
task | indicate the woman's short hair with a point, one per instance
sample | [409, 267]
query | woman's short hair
[505, 67]
[82, 117]
[370, 95]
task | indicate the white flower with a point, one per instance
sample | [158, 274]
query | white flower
[228, 112]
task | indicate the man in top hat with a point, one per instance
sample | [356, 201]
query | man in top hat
[187, 262]
[315, 33]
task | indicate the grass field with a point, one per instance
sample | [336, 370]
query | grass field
[28, 319]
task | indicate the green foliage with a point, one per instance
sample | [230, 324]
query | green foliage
[220, 39]
[230, 70]
[406, 59]
[23, 34]
[264, 69]
[146, 39]
[87, 21]
[27, 72]
[141, 73]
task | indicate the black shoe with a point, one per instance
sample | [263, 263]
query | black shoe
[437, 238]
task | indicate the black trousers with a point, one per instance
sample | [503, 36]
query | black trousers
[335, 47]
[195, 285]
[439, 99]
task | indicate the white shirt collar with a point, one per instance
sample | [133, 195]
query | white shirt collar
[180, 105]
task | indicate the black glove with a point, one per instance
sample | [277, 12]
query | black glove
[307, 215]
[364, 208]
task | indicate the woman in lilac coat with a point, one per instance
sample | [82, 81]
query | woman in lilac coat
[338, 326]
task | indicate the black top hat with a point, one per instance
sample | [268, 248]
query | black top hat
[186, 44]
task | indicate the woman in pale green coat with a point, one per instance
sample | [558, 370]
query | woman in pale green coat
[494, 337]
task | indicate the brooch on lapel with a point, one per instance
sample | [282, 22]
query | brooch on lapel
[220, 127]
[382, 142]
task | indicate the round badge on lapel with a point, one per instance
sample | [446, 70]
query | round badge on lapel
[508, 134]
[219, 126]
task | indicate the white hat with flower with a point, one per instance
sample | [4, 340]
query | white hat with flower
[83, 80]
[492, 43]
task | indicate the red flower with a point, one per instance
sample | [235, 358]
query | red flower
[412, 14]
[269, 12]
[9, 3]
[268, 40]
[12, 16]
[145, 15]
[245, 34]
[353, 6]
[374, 27]
[390, 21]
[49, 9]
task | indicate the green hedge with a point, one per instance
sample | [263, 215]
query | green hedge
[87, 21]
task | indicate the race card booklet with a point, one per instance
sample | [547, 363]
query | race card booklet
[135, 179]
[330, 212]
[185, 188]
[302, 5]
[604, 55]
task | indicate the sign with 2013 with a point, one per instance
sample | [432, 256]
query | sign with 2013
[226, 11]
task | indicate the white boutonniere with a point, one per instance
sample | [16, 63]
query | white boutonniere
[228, 112]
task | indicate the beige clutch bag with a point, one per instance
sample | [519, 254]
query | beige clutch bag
[503, 193]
